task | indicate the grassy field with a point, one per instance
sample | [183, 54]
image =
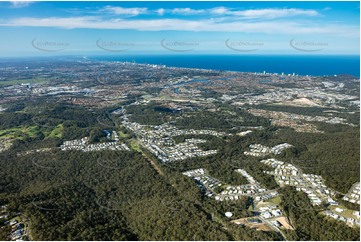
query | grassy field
[135, 146]
[275, 200]
[30, 131]
[19, 132]
[16, 218]
[56, 132]
[122, 135]
[346, 212]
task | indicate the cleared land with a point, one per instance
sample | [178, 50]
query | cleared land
[285, 223]
[258, 226]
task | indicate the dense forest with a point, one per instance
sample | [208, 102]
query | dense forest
[310, 224]
[111, 196]
[118, 195]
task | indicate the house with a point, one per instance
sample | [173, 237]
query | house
[342, 219]
[266, 215]
[276, 223]
[17, 234]
[20, 226]
[339, 210]
[13, 222]
[332, 202]
[350, 220]
[276, 213]
[262, 209]
[254, 220]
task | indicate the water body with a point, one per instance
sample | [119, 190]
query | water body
[316, 65]
[264, 81]
[192, 81]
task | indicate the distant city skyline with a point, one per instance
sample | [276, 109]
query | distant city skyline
[126, 28]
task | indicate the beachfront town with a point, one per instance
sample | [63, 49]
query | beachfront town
[98, 85]
[308, 96]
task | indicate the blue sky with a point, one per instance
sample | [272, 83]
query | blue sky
[126, 28]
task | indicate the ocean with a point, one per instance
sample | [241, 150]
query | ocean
[302, 65]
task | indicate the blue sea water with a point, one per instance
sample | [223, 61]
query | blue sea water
[302, 65]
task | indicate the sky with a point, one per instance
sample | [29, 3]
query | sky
[127, 28]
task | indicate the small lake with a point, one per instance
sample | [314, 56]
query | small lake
[264, 81]
[192, 81]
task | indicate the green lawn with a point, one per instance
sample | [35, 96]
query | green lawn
[275, 200]
[135, 146]
[16, 218]
[30, 131]
[19, 132]
[346, 213]
[56, 132]
[122, 135]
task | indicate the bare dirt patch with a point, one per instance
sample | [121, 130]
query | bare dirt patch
[285, 223]
[301, 102]
[258, 226]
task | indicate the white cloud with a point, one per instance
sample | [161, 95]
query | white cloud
[187, 11]
[274, 13]
[124, 11]
[265, 27]
[161, 11]
[253, 13]
[219, 10]
[265, 13]
[20, 4]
